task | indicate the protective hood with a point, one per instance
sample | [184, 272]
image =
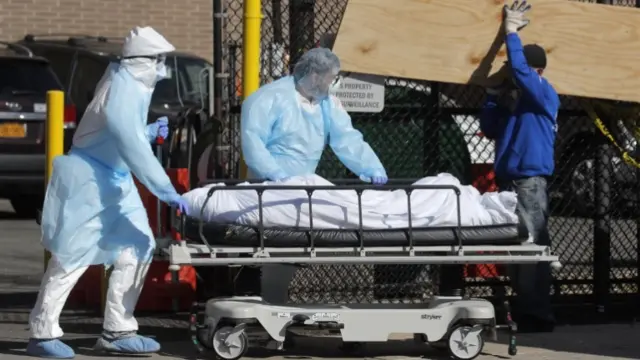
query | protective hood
[145, 41]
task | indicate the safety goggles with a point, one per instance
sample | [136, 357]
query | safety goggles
[159, 59]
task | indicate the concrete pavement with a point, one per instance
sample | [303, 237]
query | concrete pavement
[567, 343]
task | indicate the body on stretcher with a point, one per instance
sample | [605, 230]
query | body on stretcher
[231, 325]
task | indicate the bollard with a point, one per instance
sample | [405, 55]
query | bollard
[54, 133]
[251, 56]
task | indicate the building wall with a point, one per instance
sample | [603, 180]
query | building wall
[185, 23]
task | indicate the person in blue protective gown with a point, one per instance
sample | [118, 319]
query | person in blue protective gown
[92, 211]
[286, 124]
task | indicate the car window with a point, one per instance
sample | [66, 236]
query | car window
[24, 75]
[87, 73]
[187, 81]
[61, 63]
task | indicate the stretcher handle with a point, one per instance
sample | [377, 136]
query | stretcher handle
[159, 143]
[391, 182]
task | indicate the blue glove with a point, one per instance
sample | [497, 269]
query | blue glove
[180, 204]
[375, 180]
[160, 128]
[379, 180]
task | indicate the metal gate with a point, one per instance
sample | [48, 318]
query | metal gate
[427, 128]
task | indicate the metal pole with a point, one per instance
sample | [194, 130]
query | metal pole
[602, 220]
[234, 110]
[250, 55]
[602, 226]
[301, 28]
[216, 155]
[637, 217]
[54, 128]
[276, 18]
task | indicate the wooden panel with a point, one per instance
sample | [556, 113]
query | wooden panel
[593, 50]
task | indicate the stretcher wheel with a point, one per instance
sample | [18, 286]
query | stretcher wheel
[464, 343]
[228, 346]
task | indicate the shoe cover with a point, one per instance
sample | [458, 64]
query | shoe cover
[49, 348]
[134, 344]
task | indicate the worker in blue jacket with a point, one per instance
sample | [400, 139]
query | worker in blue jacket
[521, 116]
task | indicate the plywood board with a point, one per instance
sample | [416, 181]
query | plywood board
[593, 50]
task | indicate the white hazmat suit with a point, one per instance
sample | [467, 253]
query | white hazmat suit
[93, 213]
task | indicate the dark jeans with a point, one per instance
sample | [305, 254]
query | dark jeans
[532, 283]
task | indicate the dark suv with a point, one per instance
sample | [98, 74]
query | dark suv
[24, 82]
[80, 61]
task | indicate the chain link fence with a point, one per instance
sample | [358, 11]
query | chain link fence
[428, 128]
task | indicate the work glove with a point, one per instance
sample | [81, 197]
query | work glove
[377, 179]
[160, 128]
[514, 16]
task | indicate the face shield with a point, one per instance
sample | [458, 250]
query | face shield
[318, 86]
[317, 73]
[148, 69]
[161, 67]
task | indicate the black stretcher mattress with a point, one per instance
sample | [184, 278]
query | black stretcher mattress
[244, 235]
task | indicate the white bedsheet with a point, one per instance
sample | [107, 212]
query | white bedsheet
[339, 208]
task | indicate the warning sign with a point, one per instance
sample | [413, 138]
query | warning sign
[361, 93]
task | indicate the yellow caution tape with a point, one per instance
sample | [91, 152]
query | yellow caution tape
[591, 112]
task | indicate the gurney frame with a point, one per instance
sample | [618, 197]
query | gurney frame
[205, 254]
[232, 325]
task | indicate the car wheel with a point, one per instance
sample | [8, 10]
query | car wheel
[582, 185]
[27, 206]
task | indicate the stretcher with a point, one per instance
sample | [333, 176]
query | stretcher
[232, 324]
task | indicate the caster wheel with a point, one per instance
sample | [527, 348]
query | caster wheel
[465, 343]
[229, 349]
[351, 347]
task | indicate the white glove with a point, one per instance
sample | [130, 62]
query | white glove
[514, 16]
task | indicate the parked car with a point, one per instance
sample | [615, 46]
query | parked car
[80, 61]
[576, 146]
[24, 81]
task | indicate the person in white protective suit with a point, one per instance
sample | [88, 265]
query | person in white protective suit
[286, 124]
[93, 213]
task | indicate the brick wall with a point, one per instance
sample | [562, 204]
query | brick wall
[187, 24]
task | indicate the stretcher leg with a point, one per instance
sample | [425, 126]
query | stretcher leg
[160, 231]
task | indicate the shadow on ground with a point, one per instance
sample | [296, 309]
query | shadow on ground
[607, 341]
